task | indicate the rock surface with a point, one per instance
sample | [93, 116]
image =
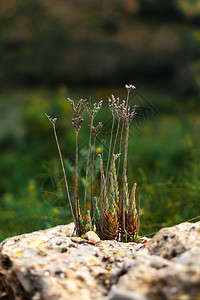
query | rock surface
[50, 264]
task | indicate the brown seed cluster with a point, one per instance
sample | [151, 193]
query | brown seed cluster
[77, 113]
[98, 128]
[122, 110]
[93, 112]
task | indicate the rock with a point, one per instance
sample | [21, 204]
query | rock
[92, 237]
[78, 240]
[170, 269]
[117, 294]
[173, 241]
[51, 264]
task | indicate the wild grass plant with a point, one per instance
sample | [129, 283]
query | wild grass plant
[113, 213]
[164, 160]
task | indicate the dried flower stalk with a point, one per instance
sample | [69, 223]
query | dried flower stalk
[126, 115]
[111, 106]
[53, 122]
[77, 121]
[92, 114]
[129, 88]
[96, 132]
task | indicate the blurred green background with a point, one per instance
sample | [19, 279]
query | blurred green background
[51, 50]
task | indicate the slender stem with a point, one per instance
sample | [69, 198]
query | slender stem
[120, 148]
[103, 187]
[124, 186]
[127, 98]
[86, 175]
[102, 220]
[65, 177]
[120, 144]
[105, 181]
[102, 151]
[115, 142]
[116, 136]
[91, 185]
[76, 186]
[138, 218]
[108, 161]
[101, 190]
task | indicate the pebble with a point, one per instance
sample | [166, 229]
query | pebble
[92, 236]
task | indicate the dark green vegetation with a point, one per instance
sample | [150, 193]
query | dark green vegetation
[99, 43]
[163, 160]
[49, 52]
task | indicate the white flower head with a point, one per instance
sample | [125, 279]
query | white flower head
[130, 87]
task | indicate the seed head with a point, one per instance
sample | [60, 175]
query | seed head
[98, 128]
[52, 120]
[77, 113]
[130, 87]
[123, 111]
[93, 112]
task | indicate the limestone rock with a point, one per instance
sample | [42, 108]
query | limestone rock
[173, 241]
[92, 237]
[169, 270]
[51, 265]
